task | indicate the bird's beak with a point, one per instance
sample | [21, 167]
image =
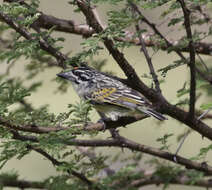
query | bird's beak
[62, 75]
[66, 75]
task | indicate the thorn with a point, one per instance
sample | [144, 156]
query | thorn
[182, 141]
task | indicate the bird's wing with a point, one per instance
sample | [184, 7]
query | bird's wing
[121, 97]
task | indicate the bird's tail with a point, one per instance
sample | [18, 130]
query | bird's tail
[153, 113]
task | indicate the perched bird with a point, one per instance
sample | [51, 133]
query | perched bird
[109, 96]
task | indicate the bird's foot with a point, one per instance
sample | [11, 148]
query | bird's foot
[103, 122]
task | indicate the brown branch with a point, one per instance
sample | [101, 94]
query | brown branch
[146, 179]
[123, 142]
[180, 179]
[160, 103]
[146, 54]
[204, 75]
[57, 163]
[30, 128]
[22, 184]
[70, 26]
[62, 25]
[92, 156]
[91, 127]
[116, 54]
[191, 64]
[166, 107]
[61, 58]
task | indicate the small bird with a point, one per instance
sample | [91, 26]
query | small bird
[110, 97]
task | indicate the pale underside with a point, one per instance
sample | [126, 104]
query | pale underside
[115, 112]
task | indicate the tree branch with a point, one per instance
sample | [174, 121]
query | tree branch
[191, 64]
[126, 143]
[116, 54]
[123, 121]
[180, 179]
[22, 184]
[30, 128]
[62, 25]
[57, 163]
[61, 58]
[123, 142]
[172, 110]
[148, 59]
[161, 104]
[92, 157]
[70, 26]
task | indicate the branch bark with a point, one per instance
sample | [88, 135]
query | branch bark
[123, 142]
[70, 26]
[159, 101]
[61, 58]
[162, 105]
[22, 184]
[55, 162]
[146, 54]
[91, 127]
[191, 64]
[181, 179]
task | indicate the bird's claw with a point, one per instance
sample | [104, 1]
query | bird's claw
[104, 126]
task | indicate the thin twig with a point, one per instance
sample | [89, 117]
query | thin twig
[122, 142]
[22, 184]
[134, 82]
[181, 143]
[179, 179]
[91, 127]
[61, 58]
[70, 26]
[146, 54]
[129, 71]
[203, 63]
[30, 128]
[57, 163]
[92, 156]
[204, 113]
[191, 64]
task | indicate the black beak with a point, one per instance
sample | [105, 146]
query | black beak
[62, 75]
[66, 75]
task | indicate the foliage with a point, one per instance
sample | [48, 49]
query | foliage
[25, 127]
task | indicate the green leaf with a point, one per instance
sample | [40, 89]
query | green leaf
[174, 21]
[206, 106]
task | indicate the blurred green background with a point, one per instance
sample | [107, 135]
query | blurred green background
[34, 167]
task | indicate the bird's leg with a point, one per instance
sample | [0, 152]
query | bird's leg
[103, 120]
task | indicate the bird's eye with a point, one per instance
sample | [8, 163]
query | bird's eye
[77, 73]
[84, 77]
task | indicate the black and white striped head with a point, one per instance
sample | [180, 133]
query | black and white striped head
[78, 75]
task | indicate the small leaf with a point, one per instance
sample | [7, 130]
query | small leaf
[206, 106]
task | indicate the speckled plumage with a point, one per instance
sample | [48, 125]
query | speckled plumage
[110, 97]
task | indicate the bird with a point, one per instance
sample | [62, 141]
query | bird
[111, 98]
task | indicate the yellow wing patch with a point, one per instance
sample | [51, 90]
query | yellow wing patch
[126, 99]
[103, 93]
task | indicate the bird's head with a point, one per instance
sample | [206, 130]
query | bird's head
[79, 76]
